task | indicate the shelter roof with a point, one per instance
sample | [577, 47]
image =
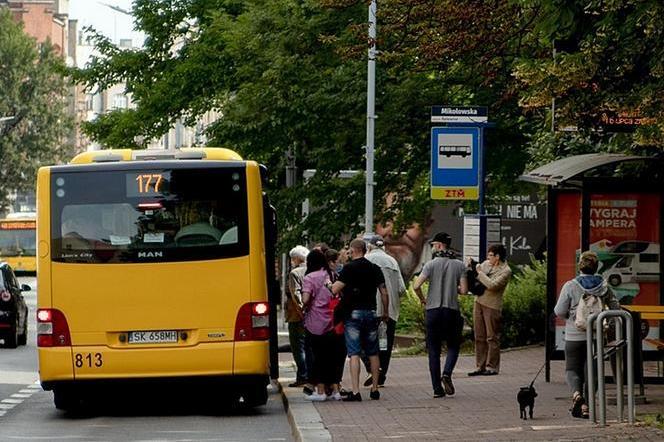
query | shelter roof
[562, 170]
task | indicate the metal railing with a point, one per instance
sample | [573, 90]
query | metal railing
[597, 320]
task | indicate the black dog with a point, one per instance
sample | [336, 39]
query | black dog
[526, 398]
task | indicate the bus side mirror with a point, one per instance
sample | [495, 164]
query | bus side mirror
[25, 288]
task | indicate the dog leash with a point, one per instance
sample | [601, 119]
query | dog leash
[540, 370]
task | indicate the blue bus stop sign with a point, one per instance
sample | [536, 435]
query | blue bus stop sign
[455, 163]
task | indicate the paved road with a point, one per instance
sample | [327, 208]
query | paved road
[27, 412]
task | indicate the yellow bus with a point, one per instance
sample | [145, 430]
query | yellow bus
[153, 266]
[18, 241]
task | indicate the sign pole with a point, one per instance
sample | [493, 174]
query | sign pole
[371, 120]
[481, 165]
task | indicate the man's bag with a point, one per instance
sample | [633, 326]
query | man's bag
[588, 304]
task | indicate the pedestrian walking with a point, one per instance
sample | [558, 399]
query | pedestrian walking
[447, 278]
[294, 314]
[494, 274]
[572, 294]
[316, 297]
[359, 280]
[396, 288]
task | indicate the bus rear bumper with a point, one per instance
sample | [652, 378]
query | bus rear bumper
[235, 383]
[205, 361]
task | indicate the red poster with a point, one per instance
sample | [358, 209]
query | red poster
[624, 232]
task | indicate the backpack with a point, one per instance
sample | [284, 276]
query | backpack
[588, 304]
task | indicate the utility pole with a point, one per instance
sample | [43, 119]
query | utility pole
[371, 119]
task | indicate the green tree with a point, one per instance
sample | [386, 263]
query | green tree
[34, 122]
[291, 74]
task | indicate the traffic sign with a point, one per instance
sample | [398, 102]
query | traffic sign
[455, 163]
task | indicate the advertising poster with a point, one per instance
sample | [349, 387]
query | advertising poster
[624, 232]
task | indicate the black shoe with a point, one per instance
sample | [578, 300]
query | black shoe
[374, 395]
[381, 380]
[368, 381]
[477, 372]
[353, 397]
[489, 373]
[307, 390]
[296, 384]
[344, 392]
[447, 384]
[439, 393]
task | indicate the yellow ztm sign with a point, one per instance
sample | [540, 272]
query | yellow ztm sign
[455, 193]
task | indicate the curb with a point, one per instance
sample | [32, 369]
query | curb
[305, 421]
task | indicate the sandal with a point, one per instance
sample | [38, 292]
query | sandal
[585, 411]
[577, 406]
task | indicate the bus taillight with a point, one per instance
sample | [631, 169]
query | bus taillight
[52, 329]
[253, 322]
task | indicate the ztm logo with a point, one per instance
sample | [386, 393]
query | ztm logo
[455, 193]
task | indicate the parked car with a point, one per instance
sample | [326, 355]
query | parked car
[13, 309]
[639, 261]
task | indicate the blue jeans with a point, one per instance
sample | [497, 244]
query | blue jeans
[361, 333]
[296, 338]
[443, 324]
[384, 355]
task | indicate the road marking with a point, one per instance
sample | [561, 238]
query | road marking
[20, 396]
[501, 430]
[18, 377]
[556, 427]
[11, 401]
[6, 406]
[26, 390]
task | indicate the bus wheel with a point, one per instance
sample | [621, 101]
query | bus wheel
[66, 399]
[615, 280]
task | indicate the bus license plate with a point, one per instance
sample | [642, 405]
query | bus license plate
[153, 337]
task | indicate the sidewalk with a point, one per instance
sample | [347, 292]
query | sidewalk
[483, 408]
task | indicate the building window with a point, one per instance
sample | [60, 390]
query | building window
[119, 101]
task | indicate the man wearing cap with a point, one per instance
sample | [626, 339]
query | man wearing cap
[447, 278]
[395, 289]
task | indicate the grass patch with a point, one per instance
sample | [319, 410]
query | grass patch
[654, 420]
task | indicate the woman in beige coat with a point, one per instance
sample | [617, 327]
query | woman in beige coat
[494, 273]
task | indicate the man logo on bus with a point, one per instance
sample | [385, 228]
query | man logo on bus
[150, 254]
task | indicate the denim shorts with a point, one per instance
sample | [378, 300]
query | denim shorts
[361, 333]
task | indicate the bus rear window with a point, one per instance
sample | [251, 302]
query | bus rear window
[17, 241]
[135, 216]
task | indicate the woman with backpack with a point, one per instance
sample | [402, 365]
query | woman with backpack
[576, 294]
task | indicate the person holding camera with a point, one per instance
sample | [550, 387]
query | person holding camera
[447, 278]
[494, 274]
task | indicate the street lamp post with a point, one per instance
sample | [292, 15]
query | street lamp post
[371, 120]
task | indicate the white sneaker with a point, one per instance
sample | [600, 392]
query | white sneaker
[334, 397]
[316, 397]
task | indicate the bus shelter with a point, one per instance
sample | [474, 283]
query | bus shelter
[610, 204]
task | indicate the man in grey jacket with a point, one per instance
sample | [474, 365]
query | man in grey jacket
[575, 339]
[396, 288]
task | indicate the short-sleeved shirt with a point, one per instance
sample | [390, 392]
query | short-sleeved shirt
[361, 278]
[444, 275]
[317, 315]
